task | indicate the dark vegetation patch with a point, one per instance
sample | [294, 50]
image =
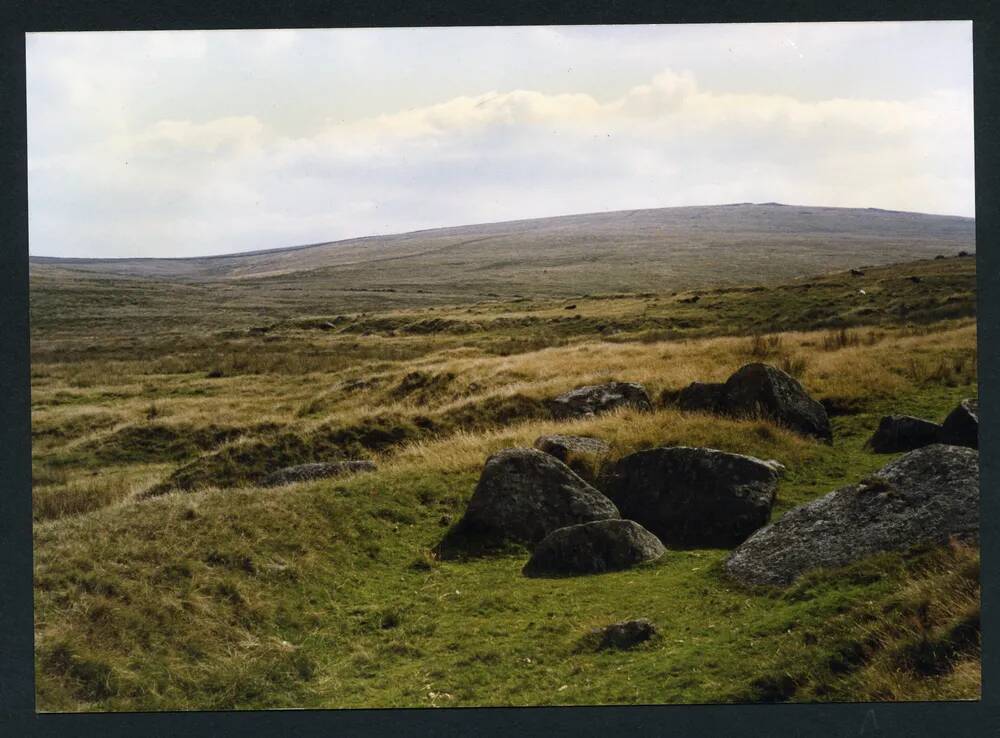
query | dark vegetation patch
[250, 462]
[158, 442]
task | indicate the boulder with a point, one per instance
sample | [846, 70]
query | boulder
[925, 496]
[306, 472]
[693, 496]
[702, 397]
[903, 433]
[626, 634]
[761, 389]
[586, 402]
[593, 548]
[562, 447]
[961, 427]
[524, 494]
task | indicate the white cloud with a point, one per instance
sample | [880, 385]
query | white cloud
[158, 157]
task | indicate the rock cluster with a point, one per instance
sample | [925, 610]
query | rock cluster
[905, 432]
[760, 390]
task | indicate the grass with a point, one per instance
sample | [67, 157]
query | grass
[217, 594]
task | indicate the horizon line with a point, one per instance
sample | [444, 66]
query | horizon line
[300, 247]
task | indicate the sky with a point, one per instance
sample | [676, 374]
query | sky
[185, 143]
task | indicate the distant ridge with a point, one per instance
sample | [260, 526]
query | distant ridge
[645, 248]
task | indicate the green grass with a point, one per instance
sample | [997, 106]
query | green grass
[221, 595]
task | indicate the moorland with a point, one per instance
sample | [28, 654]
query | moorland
[167, 577]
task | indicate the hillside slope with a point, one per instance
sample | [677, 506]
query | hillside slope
[679, 248]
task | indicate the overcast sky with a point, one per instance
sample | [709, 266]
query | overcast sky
[189, 143]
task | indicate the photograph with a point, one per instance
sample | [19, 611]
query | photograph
[503, 366]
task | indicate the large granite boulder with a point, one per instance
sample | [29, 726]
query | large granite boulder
[524, 494]
[693, 496]
[307, 472]
[593, 548]
[903, 433]
[761, 389]
[586, 402]
[924, 496]
[961, 427]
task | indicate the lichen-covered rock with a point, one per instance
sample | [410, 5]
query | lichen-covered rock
[524, 494]
[903, 433]
[961, 427]
[306, 472]
[593, 548]
[562, 447]
[706, 397]
[693, 496]
[924, 496]
[761, 389]
[586, 402]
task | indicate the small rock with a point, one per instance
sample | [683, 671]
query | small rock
[626, 634]
[586, 402]
[961, 427]
[306, 472]
[524, 494]
[563, 446]
[693, 496]
[857, 273]
[593, 548]
[925, 496]
[903, 433]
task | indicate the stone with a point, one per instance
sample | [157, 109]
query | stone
[562, 447]
[702, 397]
[586, 402]
[307, 472]
[761, 389]
[593, 548]
[903, 433]
[961, 427]
[626, 634]
[524, 494]
[925, 496]
[693, 496]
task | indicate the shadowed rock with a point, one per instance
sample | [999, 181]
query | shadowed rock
[903, 433]
[693, 496]
[924, 496]
[626, 634]
[761, 389]
[586, 402]
[961, 427]
[306, 472]
[524, 494]
[593, 548]
[702, 397]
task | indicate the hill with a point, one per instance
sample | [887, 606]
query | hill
[677, 248]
